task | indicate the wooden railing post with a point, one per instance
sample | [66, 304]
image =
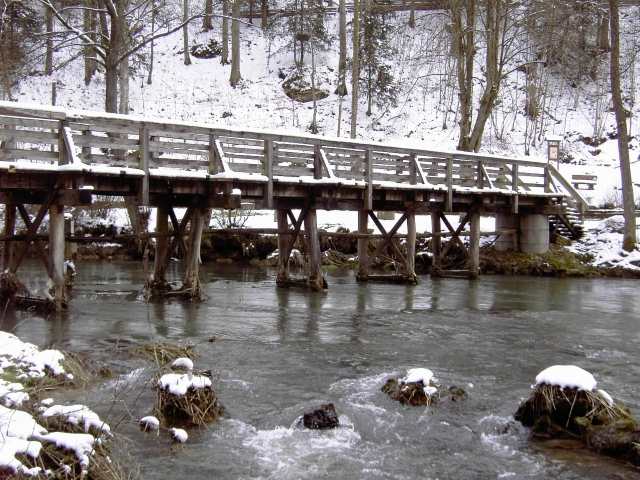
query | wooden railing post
[145, 157]
[86, 149]
[63, 154]
[514, 186]
[214, 166]
[413, 171]
[317, 162]
[547, 180]
[480, 174]
[267, 170]
[449, 183]
[368, 178]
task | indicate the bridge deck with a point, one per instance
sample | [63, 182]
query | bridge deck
[191, 163]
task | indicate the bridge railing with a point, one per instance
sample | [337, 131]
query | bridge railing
[54, 136]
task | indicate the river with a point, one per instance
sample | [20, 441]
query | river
[276, 353]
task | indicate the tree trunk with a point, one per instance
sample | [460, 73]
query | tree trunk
[207, 23]
[629, 241]
[355, 72]
[342, 62]
[235, 77]
[151, 47]
[185, 32]
[224, 58]
[464, 51]
[492, 72]
[89, 25]
[264, 7]
[123, 73]
[48, 58]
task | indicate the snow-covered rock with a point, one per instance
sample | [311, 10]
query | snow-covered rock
[178, 435]
[178, 384]
[566, 376]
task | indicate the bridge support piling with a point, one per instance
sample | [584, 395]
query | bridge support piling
[56, 255]
[191, 284]
[436, 244]
[474, 245]
[9, 231]
[283, 248]
[507, 241]
[363, 246]
[316, 280]
[158, 282]
[410, 263]
[534, 233]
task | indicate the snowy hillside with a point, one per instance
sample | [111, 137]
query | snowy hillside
[201, 92]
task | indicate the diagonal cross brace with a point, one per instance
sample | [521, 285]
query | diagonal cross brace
[32, 229]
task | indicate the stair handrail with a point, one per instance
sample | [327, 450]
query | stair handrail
[582, 203]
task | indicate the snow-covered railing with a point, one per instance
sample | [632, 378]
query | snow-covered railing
[57, 136]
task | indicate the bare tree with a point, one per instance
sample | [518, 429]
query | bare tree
[235, 77]
[207, 23]
[342, 62]
[224, 57]
[122, 34]
[355, 71]
[629, 241]
[185, 31]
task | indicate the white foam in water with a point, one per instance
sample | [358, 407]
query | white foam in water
[293, 450]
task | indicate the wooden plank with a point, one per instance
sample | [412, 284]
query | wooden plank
[171, 162]
[328, 168]
[28, 122]
[96, 141]
[18, 153]
[220, 156]
[28, 136]
[449, 183]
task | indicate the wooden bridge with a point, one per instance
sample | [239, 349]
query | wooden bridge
[54, 158]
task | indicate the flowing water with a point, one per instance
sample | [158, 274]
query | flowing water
[276, 353]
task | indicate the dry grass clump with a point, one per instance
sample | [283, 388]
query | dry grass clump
[409, 393]
[199, 406]
[551, 408]
[162, 353]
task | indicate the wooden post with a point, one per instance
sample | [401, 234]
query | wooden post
[411, 245]
[480, 174]
[363, 246]
[316, 280]
[9, 231]
[368, 178]
[145, 160]
[56, 255]
[268, 172]
[191, 283]
[70, 249]
[317, 162]
[436, 244]
[283, 248]
[474, 245]
[159, 281]
[449, 180]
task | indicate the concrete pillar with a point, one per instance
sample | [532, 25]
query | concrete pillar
[363, 245]
[507, 241]
[534, 233]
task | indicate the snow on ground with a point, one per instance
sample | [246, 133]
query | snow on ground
[415, 375]
[20, 432]
[566, 376]
[149, 423]
[603, 241]
[182, 362]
